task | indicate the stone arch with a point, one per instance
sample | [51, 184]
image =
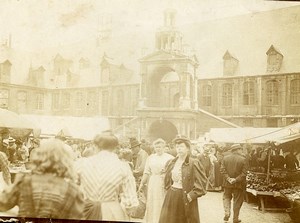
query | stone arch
[162, 129]
[163, 84]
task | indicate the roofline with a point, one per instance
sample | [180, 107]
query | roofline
[249, 76]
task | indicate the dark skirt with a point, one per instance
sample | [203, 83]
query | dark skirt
[218, 176]
[173, 207]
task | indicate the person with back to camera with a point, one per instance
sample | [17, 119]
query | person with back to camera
[291, 161]
[234, 170]
[107, 182]
[154, 175]
[139, 157]
[5, 177]
[185, 181]
[50, 190]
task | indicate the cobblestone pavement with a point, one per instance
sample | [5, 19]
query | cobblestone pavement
[211, 211]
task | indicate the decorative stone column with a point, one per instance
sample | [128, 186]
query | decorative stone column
[185, 100]
[196, 106]
[143, 90]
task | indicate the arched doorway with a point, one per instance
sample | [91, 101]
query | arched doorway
[163, 85]
[163, 129]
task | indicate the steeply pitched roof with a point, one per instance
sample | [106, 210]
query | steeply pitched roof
[228, 55]
[272, 49]
[6, 62]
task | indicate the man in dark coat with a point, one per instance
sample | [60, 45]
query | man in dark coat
[139, 158]
[234, 169]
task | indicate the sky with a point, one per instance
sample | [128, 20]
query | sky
[39, 24]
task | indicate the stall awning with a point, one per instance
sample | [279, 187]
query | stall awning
[76, 127]
[18, 126]
[238, 135]
[282, 135]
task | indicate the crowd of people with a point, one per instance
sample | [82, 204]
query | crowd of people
[115, 180]
[258, 159]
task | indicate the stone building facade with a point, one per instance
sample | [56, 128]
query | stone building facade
[167, 96]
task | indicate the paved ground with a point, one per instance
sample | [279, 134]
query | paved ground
[211, 211]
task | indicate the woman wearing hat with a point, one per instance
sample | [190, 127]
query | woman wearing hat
[185, 181]
[154, 175]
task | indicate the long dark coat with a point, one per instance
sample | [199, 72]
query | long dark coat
[234, 166]
[193, 183]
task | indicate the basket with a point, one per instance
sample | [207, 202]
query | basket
[140, 210]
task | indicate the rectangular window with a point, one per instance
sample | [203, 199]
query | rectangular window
[272, 92]
[22, 100]
[55, 101]
[206, 95]
[91, 101]
[105, 104]
[227, 95]
[39, 101]
[66, 100]
[248, 93]
[295, 92]
[79, 100]
[4, 96]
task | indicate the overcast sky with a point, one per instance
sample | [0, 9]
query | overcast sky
[37, 24]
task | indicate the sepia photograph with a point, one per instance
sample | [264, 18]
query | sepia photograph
[150, 111]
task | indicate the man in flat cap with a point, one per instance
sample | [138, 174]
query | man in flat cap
[234, 170]
[139, 159]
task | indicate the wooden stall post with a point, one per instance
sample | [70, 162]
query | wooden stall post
[269, 164]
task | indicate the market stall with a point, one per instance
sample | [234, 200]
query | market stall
[281, 182]
[265, 183]
[15, 131]
[17, 125]
[84, 128]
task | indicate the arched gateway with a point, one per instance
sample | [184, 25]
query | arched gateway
[168, 103]
[162, 129]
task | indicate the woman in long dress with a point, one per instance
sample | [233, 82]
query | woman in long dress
[154, 175]
[107, 182]
[185, 181]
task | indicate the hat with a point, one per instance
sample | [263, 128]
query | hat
[134, 142]
[11, 140]
[206, 149]
[235, 147]
[180, 138]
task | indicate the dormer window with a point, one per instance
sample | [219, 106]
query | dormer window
[230, 64]
[5, 68]
[274, 59]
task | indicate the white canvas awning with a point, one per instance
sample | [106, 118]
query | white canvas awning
[17, 125]
[280, 136]
[76, 127]
[255, 135]
[238, 135]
